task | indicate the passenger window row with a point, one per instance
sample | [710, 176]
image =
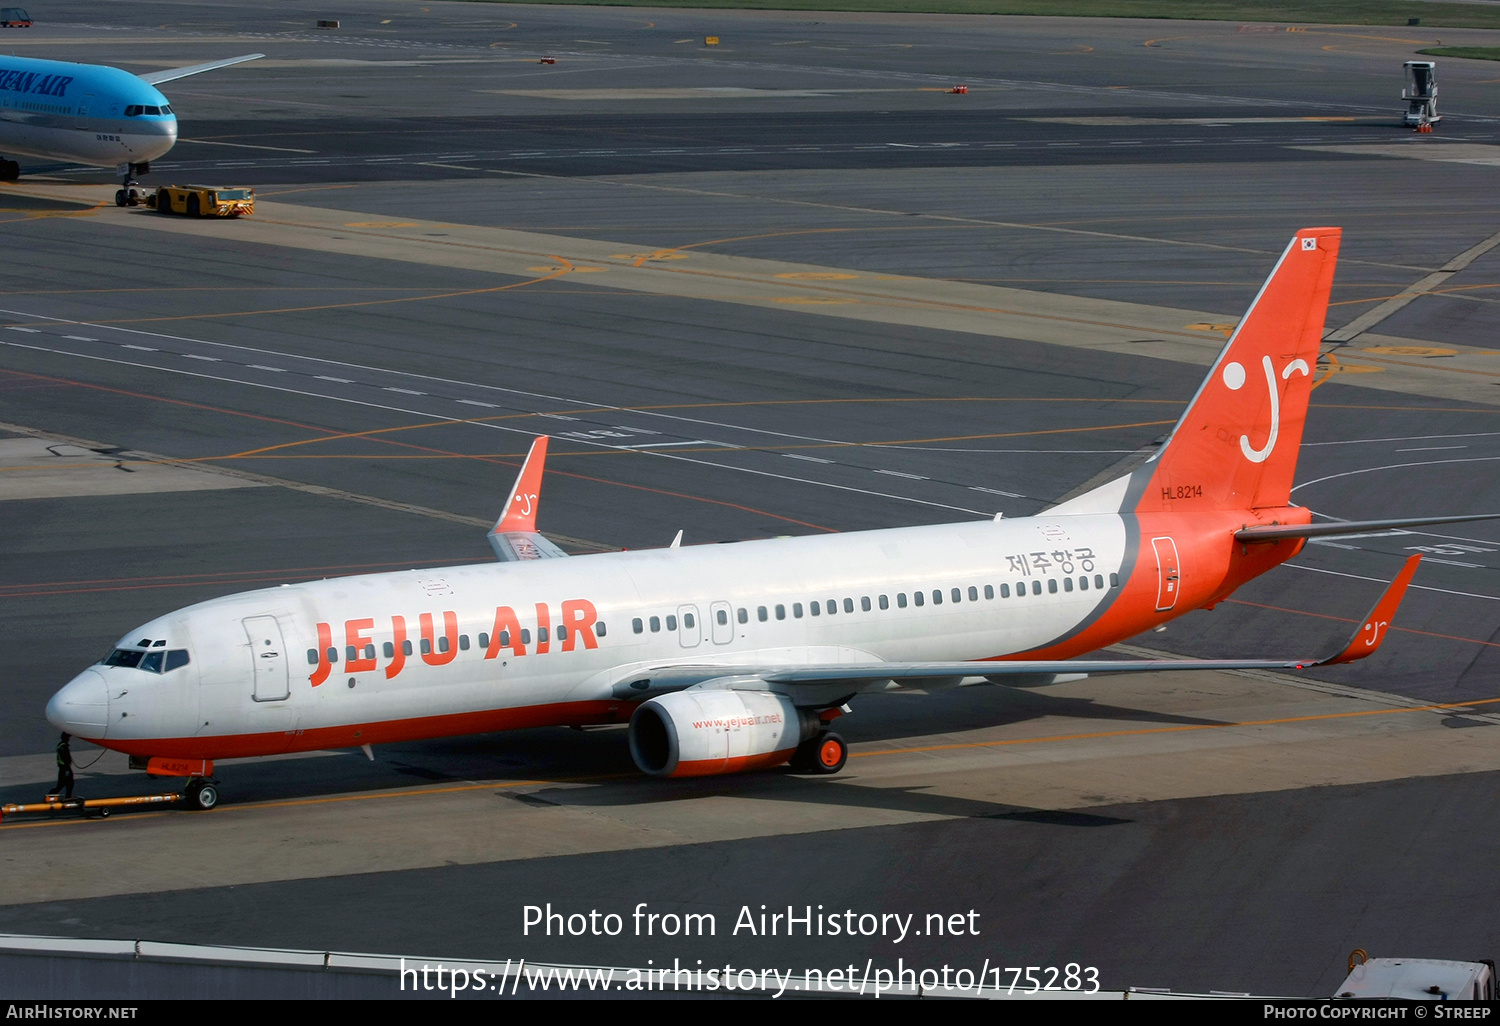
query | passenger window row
[831, 607]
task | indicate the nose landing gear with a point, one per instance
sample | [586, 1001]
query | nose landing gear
[9, 170]
[130, 193]
[201, 794]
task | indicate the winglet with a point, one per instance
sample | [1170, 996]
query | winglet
[1373, 631]
[520, 511]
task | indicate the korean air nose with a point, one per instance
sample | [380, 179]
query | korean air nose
[82, 706]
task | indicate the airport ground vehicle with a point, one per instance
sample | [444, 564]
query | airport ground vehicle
[202, 200]
[14, 17]
[1418, 979]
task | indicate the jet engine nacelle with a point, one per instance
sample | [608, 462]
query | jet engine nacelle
[698, 733]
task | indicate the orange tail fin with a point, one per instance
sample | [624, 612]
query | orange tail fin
[1236, 446]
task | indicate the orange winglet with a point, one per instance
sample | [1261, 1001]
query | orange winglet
[1372, 632]
[520, 511]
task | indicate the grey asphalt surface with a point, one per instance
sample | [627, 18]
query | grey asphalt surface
[821, 139]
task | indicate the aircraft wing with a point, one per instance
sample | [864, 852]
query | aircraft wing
[172, 74]
[830, 684]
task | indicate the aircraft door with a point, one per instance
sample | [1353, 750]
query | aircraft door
[268, 658]
[722, 617]
[691, 631]
[1168, 574]
[84, 103]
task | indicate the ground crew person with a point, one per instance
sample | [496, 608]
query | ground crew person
[64, 769]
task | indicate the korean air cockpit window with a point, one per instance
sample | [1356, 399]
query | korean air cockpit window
[126, 657]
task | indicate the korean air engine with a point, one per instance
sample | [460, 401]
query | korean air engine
[699, 733]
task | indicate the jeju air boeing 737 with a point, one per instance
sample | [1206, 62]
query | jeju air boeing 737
[88, 114]
[725, 658]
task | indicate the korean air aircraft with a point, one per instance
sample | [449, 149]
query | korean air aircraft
[88, 114]
[725, 658]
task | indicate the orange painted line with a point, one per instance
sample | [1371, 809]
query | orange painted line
[1344, 619]
[339, 798]
[1177, 729]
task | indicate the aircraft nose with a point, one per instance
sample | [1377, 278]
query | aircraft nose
[82, 707]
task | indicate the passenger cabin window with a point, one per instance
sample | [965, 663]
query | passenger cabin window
[744, 615]
[1114, 580]
[957, 596]
[504, 639]
[780, 611]
[1067, 584]
[833, 606]
[671, 623]
[1099, 581]
[937, 596]
[885, 603]
[637, 626]
[484, 642]
[1036, 587]
[1083, 584]
[989, 591]
[797, 610]
[599, 628]
[562, 632]
[1052, 585]
[864, 604]
[426, 647]
[1005, 591]
[541, 638]
[849, 605]
[406, 648]
[760, 614]
[722, 616]
[525, 636]
[815, 608]
[973, 594]
[655, 624]
[901, 600]
[688, 621]
[333, 655]
[463, 644]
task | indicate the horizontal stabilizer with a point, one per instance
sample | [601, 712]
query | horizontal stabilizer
[173, 74]
[1276, 532]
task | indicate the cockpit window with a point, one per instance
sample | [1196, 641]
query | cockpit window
[124, 657]
[155, 661]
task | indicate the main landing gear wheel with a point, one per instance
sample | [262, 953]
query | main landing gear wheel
[202, 795]
[120, 198]
[9, 170]
[823, 754]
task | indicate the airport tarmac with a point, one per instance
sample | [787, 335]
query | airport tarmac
[783, 285]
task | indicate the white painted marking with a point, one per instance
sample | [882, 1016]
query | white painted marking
[341, 381]
[29, 331]
[403, 391]
[195, 356]
[1377, 580]
[897, 473]
[81, 338]
[261, 366]
[1433, 448]
[476, 402]
[144, 349]
[995, 491]
[809, 459]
